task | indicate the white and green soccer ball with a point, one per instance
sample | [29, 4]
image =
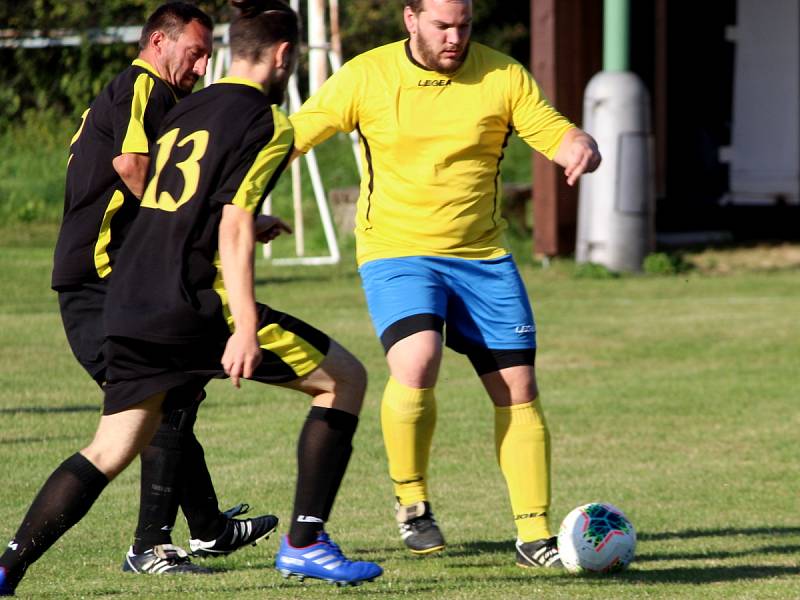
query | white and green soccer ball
[596, 538]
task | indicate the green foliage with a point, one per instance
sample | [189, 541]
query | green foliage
[60, 79]
[370, 23]
[67, 78]
[593, 271]
[663, 263]
[33, 167]
[367, 24]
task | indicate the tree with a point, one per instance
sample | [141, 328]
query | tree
[501, 24]
[66, 79]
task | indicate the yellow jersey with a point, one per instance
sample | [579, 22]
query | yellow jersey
[431, 146]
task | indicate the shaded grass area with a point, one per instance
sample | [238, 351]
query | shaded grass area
[672, 397]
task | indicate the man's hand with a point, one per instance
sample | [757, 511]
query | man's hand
[241, 357]
[578, 154]
[269, 227]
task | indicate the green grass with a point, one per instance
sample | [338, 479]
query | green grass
[32, 171]
[672, 397]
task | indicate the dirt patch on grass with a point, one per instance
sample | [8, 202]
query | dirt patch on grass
[760, 257]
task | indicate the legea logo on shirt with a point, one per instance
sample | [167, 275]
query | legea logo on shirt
[434, 82]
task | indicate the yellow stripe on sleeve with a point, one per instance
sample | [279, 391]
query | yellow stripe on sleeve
[102, 262]
[80, 129]
[266, 163]
[135, 138]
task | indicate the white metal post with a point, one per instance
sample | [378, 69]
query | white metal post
[317, 45]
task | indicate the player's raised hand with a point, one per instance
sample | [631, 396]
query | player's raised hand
[241, 357]
[269, 227]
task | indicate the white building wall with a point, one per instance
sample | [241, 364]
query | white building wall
[765, 150]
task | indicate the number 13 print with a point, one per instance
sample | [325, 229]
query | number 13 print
[189, 167]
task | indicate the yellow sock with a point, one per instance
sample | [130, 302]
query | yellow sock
[408, 418]
[522, 442]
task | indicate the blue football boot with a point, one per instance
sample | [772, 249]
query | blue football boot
[5, 588]
[323, 560]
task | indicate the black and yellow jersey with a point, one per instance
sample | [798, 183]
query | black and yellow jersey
[98, 207]
[222, 145]
[431, 146]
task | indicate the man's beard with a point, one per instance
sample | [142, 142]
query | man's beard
[182, 91]
[431, 60]
[277, 88]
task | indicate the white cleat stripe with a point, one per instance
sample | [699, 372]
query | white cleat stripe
[325, 559]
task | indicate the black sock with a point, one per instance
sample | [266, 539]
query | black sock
[174, 473]
[338, 474]
[323, 450]
[158, 498]
[198, 499]
[63, 501]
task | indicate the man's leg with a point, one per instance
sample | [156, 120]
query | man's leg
[75, 485]
[159, 491]
[174, 472]
[408, 420]
[408, 412]
[408, 302]
[325, 443]
[212, 532]
[323, 452]
[82, 315]
[522, 442]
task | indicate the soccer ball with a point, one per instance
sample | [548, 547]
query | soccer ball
[596, 538]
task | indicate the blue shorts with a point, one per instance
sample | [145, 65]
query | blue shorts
[480, 305]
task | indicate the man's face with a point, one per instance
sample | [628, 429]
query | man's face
[440, 33]
[185, 60]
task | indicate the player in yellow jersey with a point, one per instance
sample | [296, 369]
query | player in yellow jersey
[434, 114]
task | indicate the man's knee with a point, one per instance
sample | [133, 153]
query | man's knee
[512, 385]
[414, 361]
[351, 383]
[107, 458]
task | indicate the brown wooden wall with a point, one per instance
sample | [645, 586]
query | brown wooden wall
[566, 50]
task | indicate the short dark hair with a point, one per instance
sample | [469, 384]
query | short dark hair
[415, 5]
[171, 18]
[261, 24]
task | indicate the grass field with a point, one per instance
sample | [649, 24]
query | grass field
[675, 398]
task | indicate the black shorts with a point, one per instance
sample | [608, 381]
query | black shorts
[139, 369]
[82, 315]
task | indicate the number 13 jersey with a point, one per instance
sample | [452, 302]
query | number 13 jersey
[222, 145]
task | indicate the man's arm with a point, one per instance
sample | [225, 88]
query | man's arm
[132, 169]
[578, 154]
[236, 243]
[546, 130]
[332, 108]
